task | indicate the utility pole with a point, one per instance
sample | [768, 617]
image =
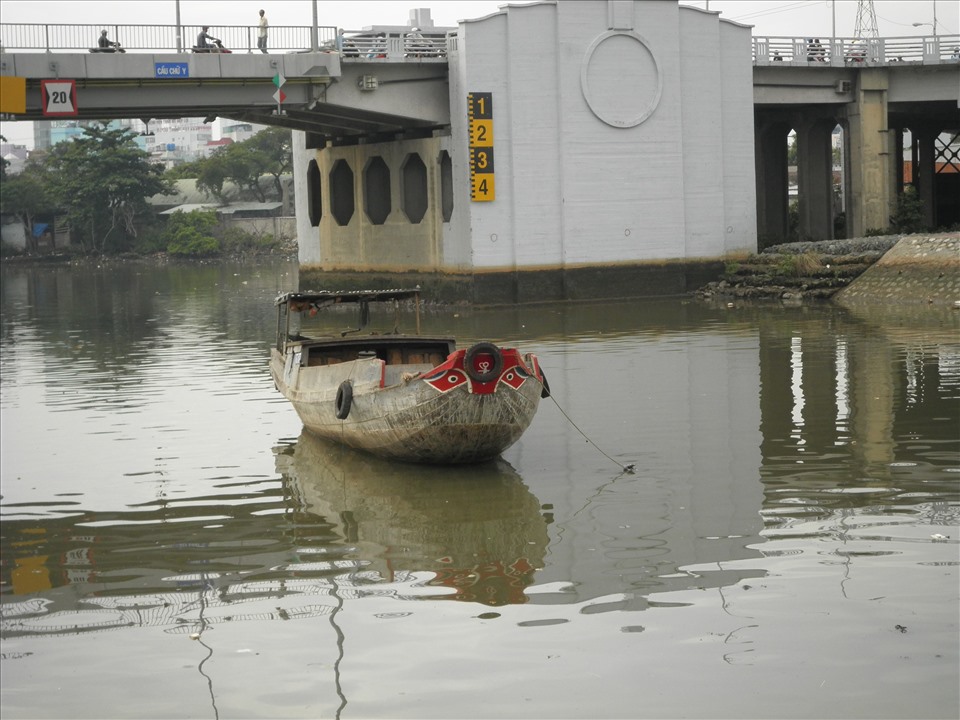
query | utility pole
[179, 31]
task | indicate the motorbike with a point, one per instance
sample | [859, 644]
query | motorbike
[217, 47]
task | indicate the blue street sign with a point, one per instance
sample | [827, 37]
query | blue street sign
[171, 70]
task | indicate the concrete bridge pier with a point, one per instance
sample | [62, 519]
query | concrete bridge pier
[870, 178]
[770, 138]
[924, 154]
[815, 177]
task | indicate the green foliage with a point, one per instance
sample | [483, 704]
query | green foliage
[908, 217]
[204, 221]
[793, 220]
[237, 241]
[184, 170]
[840, 226]
[211, 175]
[3, 163]
[188, 242]
[875, 232]
[102, 180]
[192, 234]
[151, 239]
[28, 196]
[802, 265]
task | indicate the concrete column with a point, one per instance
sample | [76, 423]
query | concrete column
[772, 182]
[924, 172]
[815, 178]
[872, 187]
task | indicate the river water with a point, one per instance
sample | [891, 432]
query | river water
[174, 546]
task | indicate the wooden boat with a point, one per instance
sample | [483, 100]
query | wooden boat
[406, 397]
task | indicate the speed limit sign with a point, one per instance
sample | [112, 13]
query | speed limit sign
[59, 97]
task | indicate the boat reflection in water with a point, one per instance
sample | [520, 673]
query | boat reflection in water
[478, 528]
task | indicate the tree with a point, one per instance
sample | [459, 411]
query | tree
[245, 165]
[102, 181]
[269, 152]
[277, 145]
[211, 174]
[3, 163]
[27, 195]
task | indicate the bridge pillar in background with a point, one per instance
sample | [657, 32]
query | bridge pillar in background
[925, 171]
[772, 180]
[815, 177]
[871, 176]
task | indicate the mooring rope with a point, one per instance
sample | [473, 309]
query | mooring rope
[629, 469]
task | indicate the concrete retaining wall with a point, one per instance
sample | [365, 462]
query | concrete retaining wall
[918, 269]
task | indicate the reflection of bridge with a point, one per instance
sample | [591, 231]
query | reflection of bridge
[386, 168]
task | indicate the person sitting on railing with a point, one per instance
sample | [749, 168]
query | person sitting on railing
[202, 44]
[415, 45]
[378, 46]
[106, 45]
[815, 51]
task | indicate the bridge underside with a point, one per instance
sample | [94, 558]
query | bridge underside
[875, 110]
[362, 102]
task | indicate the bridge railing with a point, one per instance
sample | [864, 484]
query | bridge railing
[838, 52]
[366, 46]
[44, 37]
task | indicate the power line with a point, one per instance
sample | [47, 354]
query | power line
[776, 11]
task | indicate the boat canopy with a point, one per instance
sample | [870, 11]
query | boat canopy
[325, 297]
[293, 303]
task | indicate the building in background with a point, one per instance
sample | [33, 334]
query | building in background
[170, 142]
[14, 155]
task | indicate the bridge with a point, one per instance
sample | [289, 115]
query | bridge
[152, 79]
[368, 101]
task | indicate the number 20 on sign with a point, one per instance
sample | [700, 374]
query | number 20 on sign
[480, 121]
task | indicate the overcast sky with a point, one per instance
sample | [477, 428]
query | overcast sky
[785, 18]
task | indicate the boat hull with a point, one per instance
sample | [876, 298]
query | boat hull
[412, 420]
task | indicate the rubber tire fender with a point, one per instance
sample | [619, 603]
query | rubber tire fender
[344, 399]
[483, 348]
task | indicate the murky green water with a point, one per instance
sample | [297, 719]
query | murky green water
[174, 547]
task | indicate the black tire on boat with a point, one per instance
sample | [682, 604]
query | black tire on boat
[344, 399]
[545, 392]
[483, 348]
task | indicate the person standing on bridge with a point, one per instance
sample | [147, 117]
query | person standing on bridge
[262, 32]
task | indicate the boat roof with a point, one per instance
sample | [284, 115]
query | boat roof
[345, 296]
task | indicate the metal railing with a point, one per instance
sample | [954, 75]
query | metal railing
[43, 37]
[840, 52]
[364, 46]
[371, 46]
[353, 45]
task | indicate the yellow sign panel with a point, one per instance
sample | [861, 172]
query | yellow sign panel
[13, 95]
[483, 188]
[481, 133]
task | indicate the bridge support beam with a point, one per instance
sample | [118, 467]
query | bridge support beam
[815, 178]
[925, 171]
[871, 176]
[772, 180]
